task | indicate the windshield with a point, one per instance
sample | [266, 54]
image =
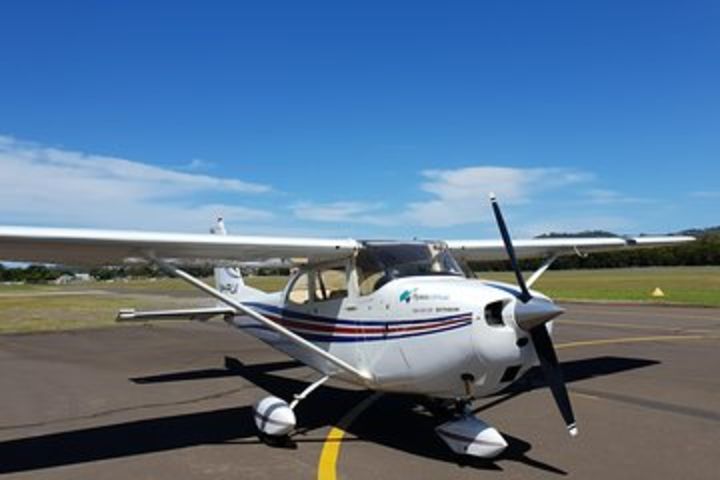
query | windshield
[378, 263]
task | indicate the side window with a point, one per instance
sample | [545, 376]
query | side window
[369, 272]
[330, 283]
[300, 290]
[369, 281]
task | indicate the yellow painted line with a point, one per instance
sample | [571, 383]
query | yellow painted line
[327, 466]
[612, 341]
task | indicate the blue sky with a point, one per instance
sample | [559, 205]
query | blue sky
[367, 119]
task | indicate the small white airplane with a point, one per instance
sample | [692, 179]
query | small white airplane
[391, 316]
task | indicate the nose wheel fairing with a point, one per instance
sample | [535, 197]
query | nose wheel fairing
[468, 435]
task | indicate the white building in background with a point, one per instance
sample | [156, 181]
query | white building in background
[72, 278]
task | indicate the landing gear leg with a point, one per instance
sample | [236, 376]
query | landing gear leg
[462, 405]
[448, 409]
[311, 388]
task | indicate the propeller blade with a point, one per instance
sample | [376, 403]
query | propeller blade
[525, 295]
[533, 316]
[553, 375]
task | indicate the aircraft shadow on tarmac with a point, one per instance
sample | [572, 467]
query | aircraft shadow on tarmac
[410, 430]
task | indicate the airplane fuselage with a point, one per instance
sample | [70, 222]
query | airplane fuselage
[441, 336]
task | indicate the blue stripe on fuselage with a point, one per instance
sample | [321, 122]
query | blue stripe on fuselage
[315, 337]
[285, 313]
[462, 321]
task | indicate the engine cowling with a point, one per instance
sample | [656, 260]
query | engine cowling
[274, 417]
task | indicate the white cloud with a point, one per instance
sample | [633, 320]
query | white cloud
[600, 196]
[341, 212]
[54, 186]
[41, 185]
[461, 194]
[460, 197]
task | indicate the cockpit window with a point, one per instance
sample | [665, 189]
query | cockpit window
[300, 290]
[330, 284]
[379, 263]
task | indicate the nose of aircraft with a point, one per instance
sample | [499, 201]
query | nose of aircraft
[536, 311]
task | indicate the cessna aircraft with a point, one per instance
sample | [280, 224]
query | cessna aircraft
[391, 316]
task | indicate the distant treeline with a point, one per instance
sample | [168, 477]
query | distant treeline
[46, 274]
[31, 274]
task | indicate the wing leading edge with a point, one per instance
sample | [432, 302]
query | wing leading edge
[108, 247]
[478, 250]
[114, 247]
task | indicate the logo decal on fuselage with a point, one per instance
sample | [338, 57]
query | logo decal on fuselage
[409, 295]
[406, 296]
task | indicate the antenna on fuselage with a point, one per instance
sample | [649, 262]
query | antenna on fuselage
[219, 227]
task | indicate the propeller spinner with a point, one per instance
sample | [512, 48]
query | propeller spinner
[532, 314]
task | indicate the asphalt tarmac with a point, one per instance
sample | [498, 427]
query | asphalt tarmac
[173, 401]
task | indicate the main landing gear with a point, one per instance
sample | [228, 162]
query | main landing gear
[275, 418]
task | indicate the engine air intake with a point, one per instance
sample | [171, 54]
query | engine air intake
[494, 314]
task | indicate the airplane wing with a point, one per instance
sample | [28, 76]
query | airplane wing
[107, 247]
[113, 247]
[479, 250]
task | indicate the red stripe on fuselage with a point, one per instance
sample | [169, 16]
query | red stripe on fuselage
[383, 329]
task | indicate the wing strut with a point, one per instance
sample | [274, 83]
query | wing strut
[241, 308]
[543, 268]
